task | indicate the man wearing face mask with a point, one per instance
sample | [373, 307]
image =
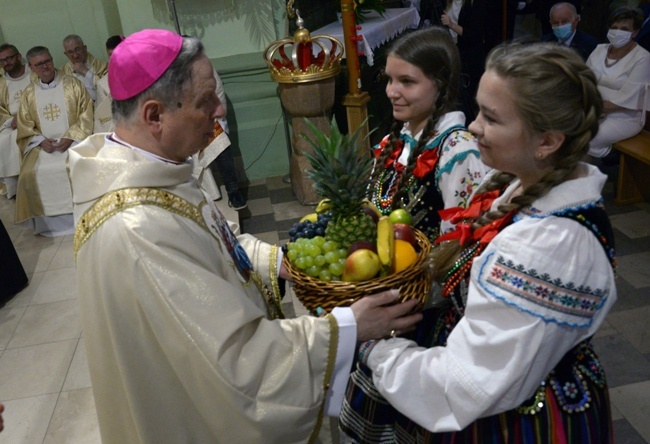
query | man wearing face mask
[564, 20]
[622, 69]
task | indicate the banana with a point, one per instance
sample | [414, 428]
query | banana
[323, 206]
[385, 242]
[372, 206]
[311, 217]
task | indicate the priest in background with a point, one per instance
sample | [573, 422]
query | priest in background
[82, 65]
[55, 112]
[103, 114]
[12, 83]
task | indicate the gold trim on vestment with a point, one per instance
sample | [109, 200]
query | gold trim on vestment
[331, 359]
[119, 200]
[273, 274]
[272, 302]
[28, 197]
[116, 201]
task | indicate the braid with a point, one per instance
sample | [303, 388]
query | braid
[393, 138]
[433, 52]
[553, 91]
[427, 132]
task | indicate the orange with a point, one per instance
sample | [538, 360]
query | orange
[404, 255]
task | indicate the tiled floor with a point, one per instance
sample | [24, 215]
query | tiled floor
[44, 381]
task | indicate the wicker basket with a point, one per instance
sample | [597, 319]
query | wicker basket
[413, 282]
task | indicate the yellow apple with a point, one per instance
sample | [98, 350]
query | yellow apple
[361, 265]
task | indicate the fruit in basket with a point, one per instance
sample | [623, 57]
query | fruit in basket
[371, 209]
[404, 255]
[361, 265]
[385, 241]
[341, 167]
[317, 257]
[359, 245]
[405, 232]
[400, 216]
[307, 229]
[323, 206]
[311, 217]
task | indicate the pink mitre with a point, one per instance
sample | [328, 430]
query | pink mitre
[140, 60]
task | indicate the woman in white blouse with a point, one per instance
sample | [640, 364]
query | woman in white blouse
[528, 275]
[622, 69]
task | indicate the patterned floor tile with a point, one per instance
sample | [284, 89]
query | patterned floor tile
[280, 195]
[634, 224]
[258, 224]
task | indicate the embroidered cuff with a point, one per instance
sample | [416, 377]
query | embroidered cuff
[364, 351]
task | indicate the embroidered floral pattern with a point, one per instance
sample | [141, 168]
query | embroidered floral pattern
[544, 290]
[469, 182]
[457, 137]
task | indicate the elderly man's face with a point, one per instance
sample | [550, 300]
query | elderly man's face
[188, 127]
[75, 51]
[42, 65]
[563, 15]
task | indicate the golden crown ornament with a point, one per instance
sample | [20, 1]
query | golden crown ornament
[293, 60]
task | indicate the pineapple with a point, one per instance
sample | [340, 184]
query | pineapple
[341, 169]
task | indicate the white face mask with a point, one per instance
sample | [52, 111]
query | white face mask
[618, 37]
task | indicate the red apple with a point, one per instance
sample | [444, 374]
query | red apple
[405, 232]
[362, 245]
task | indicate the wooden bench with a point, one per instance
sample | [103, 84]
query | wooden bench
[634, 169]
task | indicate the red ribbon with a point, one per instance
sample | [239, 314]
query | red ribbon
[424, 164]
[479, 205]
[464, 217]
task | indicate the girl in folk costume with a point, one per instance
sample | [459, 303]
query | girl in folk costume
[429, 161]
[528, 274]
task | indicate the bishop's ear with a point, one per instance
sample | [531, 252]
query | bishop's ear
[151, 112]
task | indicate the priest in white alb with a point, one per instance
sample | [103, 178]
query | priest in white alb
[182, 319]
[12, 83]
[55, 113]
[82, 65]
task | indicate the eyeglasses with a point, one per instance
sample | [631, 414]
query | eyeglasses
[8, 59]
[40, 65]
[77, 50]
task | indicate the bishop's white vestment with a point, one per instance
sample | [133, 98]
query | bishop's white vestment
[176, 317]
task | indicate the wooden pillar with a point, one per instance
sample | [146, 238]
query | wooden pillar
[355, 100]
[357, 111]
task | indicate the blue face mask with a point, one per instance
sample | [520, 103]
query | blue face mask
[563, 32]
